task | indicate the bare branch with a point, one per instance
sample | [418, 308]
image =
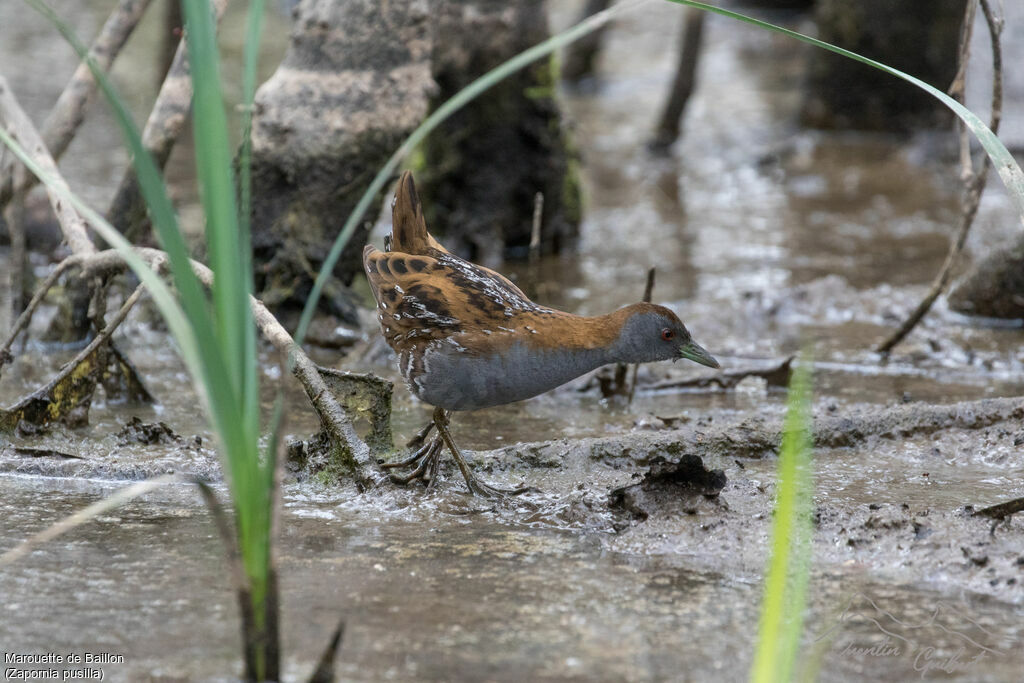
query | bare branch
[69, 111]
[21, 128]
[26, 316]
[59, 401]
[170, 112]
[974, 183]
[333, 417]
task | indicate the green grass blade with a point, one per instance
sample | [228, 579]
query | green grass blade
[226, 372]
[217, 189]
[228, 245]
[250, 60]
[229, 248]
[250, 63]
[1004, 163]
[785, 584]
[457, 101]
[150, 180]
[214, 375]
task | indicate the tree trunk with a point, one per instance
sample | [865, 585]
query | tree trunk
[484, 166]
[353, 84]
[917, 36]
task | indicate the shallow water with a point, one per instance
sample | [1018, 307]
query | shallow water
[766, 238]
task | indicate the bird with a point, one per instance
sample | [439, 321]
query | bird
[468, 338]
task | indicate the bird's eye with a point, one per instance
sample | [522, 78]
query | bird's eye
[667, 334]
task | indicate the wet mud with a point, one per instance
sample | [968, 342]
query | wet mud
[640, 556]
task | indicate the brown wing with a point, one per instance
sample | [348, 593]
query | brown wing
[422, 297]
[410, 305]
[409, 233]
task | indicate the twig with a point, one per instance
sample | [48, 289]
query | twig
[1001, 510]
[73, 387]
[974, 183]
[648, 293]
[173, 24]
[581, 55]
[538, 213]
[72, 225]
[684, 81]
[69, 111]
[333, 417]
[127, 211]
[102, 336]
[26, 316]
[649, 287]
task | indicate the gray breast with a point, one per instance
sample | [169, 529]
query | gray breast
[455, 379]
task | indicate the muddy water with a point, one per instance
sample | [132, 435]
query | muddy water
[766, 238]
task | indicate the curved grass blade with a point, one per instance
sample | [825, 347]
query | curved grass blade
[84, 515]
[1009, 172]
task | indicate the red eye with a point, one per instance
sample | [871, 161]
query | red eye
[667, 334]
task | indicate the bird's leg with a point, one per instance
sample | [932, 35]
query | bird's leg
[475, 486]
[435, 462]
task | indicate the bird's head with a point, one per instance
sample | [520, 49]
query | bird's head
[651, 333]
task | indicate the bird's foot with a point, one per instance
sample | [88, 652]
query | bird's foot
[482, 488]
[475, 485]
[424, 463]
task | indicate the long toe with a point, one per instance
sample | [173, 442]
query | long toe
[427, 458]
[486, 490]
[418, 440]
[421, 452]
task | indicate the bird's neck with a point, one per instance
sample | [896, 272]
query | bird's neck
[593, 338]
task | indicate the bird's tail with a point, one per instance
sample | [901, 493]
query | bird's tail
[408, 229]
